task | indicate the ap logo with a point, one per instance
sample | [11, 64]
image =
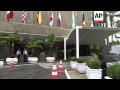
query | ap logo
[98, 16]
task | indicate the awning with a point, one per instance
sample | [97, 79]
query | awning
[91, 35]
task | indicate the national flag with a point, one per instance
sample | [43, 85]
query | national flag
[59, 20]
[51, 18]
[39, 17]
[9, 15]
[73, 21]
[24, 15]
[83, 20]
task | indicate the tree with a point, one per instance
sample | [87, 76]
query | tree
[10, 39]
[51, 40]
[32, 44]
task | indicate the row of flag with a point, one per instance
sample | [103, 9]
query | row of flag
[73, 20]
[10, 15]
[39, 18]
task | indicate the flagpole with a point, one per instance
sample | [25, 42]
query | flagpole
[33, 17]
[24, 22]
[3, 15]
[58, 20]
[82, 18]
[77, 18]
[61, 19]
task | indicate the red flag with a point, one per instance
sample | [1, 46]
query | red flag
[59, 20]
[24, 15]
[51, 19]
[9, 15]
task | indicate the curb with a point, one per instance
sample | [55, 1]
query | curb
[68, 76]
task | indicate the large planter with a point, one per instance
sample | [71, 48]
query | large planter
[81, 67]
[9, 60]
[50, 59]
[107, 77]
[32, 59]
[93, 73]
[73, 64]
[1, 63]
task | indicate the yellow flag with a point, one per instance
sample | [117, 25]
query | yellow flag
[39, 17]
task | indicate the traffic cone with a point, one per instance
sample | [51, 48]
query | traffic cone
[54, 72]
[12, 64]
[60, 68]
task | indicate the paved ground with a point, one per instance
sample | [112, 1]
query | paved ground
[73, 74]
[41, 70]
[28, 72]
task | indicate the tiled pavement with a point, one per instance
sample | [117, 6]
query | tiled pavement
[72, 73]
[75, 75]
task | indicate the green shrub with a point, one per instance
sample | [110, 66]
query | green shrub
[73, 59]
[80, 60]
[117, 72]
[111, 71]
[94, 64]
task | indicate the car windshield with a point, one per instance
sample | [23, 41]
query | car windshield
[111, 49]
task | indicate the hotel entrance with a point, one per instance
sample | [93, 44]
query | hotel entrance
[21, 46]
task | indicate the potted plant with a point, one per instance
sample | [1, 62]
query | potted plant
[93, 69]
[51, 40]
[81, 65]
[32, 46]
[10, 39]
[113, 72]
[73, 62]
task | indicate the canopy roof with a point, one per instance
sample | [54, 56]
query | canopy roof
[91, 35]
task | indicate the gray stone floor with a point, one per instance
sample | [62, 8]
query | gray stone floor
[66, 65]
[75, 75]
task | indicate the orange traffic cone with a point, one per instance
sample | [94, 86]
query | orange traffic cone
[60, 68]
[12, 64]
[54, 72]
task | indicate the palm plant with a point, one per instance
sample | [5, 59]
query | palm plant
[10, 39]
[32, 44]
[51, 40]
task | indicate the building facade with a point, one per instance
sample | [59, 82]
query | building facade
[66, 18]
[31, 27]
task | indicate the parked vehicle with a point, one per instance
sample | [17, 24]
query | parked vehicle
[110, 53]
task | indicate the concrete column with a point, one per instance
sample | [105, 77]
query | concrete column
[65, 39]
[77, 40]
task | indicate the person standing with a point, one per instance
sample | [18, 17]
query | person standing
[25, 53]
[18, 53]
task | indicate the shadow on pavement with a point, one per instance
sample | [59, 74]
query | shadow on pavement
[28, 72]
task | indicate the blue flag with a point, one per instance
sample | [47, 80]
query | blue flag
[73, 20]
